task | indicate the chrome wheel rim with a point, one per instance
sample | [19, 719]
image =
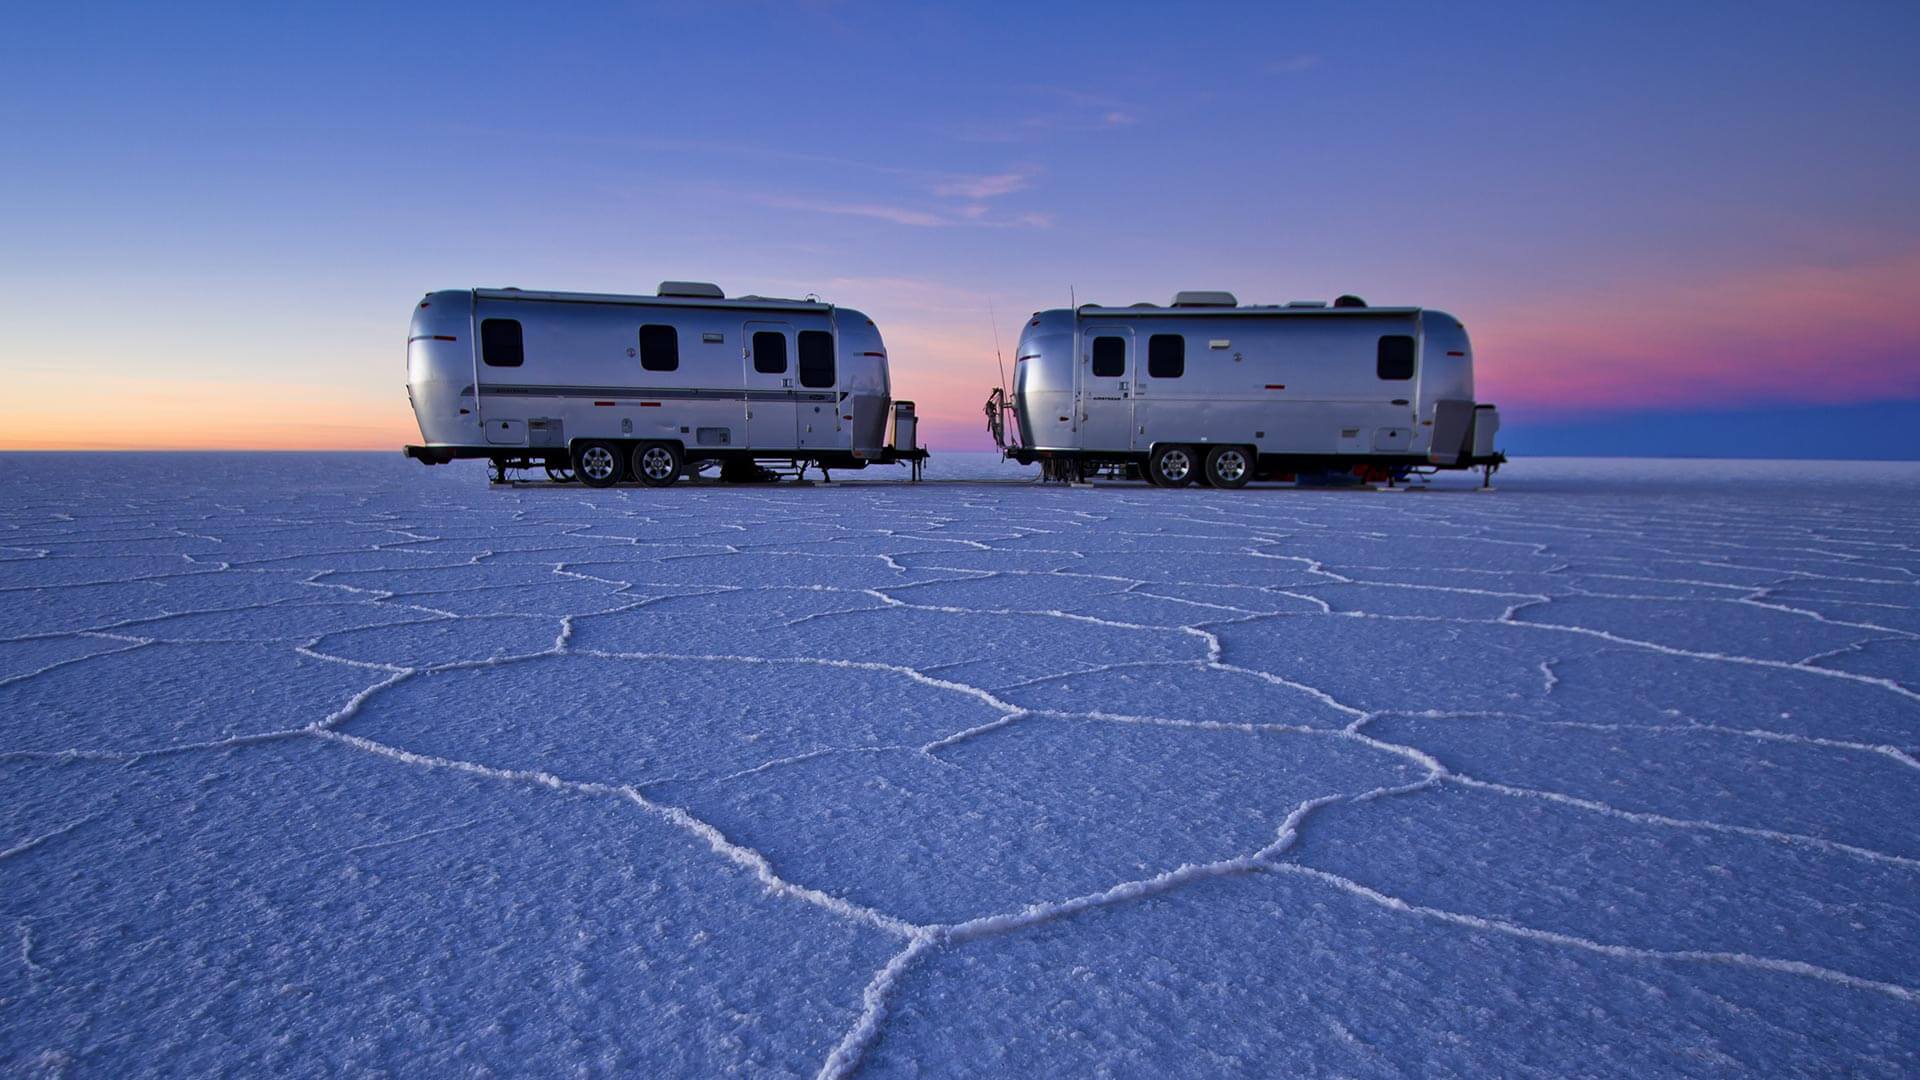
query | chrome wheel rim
[1231, 466]
[598, 462]
[656, 463]
[1175, 465]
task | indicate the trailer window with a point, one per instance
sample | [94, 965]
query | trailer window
[500, 344]
[770, 352]
[1109, 357]
[1396, 356]
[816, 358]
[1166, 356]
[659, 348]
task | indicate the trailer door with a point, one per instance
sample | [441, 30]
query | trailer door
[1105, 399]
[816, 375]
[768, 358]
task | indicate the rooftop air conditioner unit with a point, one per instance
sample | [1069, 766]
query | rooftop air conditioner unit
[1204, 298]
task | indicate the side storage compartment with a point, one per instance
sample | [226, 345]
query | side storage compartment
[546, 431]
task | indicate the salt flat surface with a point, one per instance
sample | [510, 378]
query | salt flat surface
[323, 764]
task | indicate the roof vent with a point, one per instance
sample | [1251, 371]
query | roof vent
[1307, 303]
[1348, 300]
[1144, 303]
[1204, 298]
[703, 289]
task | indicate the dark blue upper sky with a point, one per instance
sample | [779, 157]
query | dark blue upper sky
[1699, 206]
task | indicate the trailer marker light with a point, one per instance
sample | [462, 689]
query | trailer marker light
[445, 337]
[649, 404]
[603, 403]
[846, 418]
[881, 355]
[1276, 386]
[1455, 352]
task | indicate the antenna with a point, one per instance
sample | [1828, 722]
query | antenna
[1072, 301]
[997, 358]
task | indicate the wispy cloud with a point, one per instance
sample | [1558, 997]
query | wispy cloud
[899, 215]
[1053, 109]
[992, 185]
[971, 214]
[1293, 65]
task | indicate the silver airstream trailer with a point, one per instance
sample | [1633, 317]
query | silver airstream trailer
[1205, 389]
[604, 387]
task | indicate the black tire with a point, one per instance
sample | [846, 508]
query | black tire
[657, 464]
[561, 472]
[597, 464]
[1173, 466]
[1229, 466]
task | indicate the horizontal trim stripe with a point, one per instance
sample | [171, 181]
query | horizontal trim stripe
[662, 393]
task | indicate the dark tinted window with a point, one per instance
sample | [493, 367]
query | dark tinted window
[1166, 356]
[816, 358]
[659, 348]
[500, 344]
[1396, 356]
[770, 352]
[1109, 357]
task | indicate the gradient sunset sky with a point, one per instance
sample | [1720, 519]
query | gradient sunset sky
[214, 221]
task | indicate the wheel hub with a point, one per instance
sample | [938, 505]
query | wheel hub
[656, 463]
[597, 462]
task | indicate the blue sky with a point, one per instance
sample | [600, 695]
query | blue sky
[223, 212]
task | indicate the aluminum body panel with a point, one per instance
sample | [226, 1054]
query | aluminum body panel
[1283, 380]
[582, 374]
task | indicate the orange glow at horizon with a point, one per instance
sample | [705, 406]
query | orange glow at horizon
[47, 413]
[1804, 335]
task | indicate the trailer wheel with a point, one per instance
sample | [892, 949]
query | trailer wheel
[597, 464]
[657, 464]
[1229, 467]
[1172, 466]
